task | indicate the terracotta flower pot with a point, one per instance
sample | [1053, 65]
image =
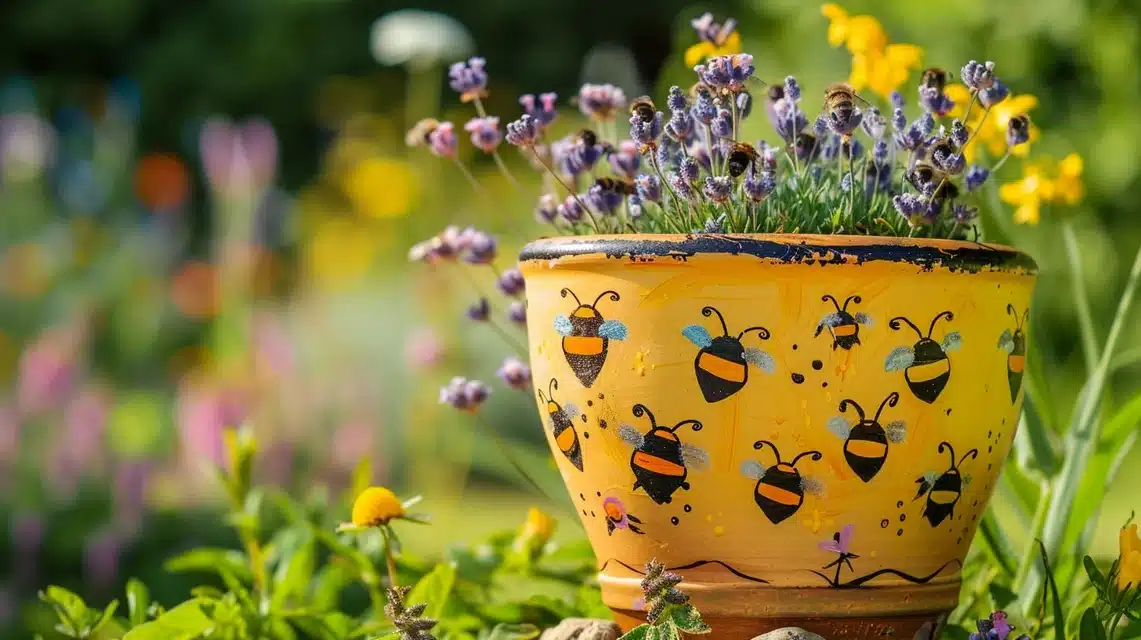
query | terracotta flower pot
[807, 428]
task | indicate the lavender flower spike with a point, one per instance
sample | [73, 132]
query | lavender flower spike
[649, 187]
[524, 132]
[646, 134]
[976, 176]
[464, 394]
[626, 160]
[677, 100]
[481, 247]
[603, 200]
[601, 101]
[547, 209]
[718, 188]
[443, 141]
[485, 134]
[479, 311]
[515, 373]
[543, 110]
[844, 121]
[517, 312]
[994, 94]
[758, 186]
[469, 79]
[571, 210]
[511, 282]
[727, 72]
[978, 76]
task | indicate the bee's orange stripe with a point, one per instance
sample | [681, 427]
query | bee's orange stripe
[778, 495]
[582, 345]
[867, 449]
[1016, 363]
[944, 497]
[657, 465]
[722, 368]
[845, 330]
[566, 439]
[929, 371]
[583, 313]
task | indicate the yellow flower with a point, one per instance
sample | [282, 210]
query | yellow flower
[993, 131]
[1068, 186]
[535, 532]
[341, 250]
[885, 71]
[1130, 562]
[381, 187]
[376, 506]
[705, 49]
[1028, 194]
[861, 34]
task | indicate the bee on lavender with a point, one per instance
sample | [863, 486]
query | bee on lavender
[643, 108]
[740, 157]
[924, 174]
[935, 78]
[614, 185]
[840, 98]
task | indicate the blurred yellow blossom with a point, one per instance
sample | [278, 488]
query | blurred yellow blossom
[1130, 563]
[861, 34]
[1028, 194]
[25, 270]
[340, 250]
[381, 187]
[1068, 187]
[876, 64]
[705, 49]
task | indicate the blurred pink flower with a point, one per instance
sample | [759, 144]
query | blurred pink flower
[85, 422]
[276, 464]
[101, 553]
[352, 441]
[273, 350]
[238, 158]
[423, 349]
[27, 146]
[47, 371]
[132, 478]
[203, 412]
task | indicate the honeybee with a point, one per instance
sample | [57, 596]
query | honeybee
[722, 363]
[643, 107]
[925, 173]
[560, 418]
[588, 137]
[925, 365]
[700, 87]
[740, 157]
[587, 335]
[840, 98]
[934, 77]
[866, 443]
[616, 186]
[776, 92]
[780, 489]
[1014, 344]
[944, 489]
[661, 462]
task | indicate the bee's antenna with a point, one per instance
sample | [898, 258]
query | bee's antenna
[564, 293]
[857, 299]
[541, 396]
[848, 401]
[709, 311]
[894, 324]
[947, 445]
[973, 453]
[697, 426]
[1025, 318]
[760, 444]
[553, 384]
[641, 410]
[816, 456]
[949, 316]
[828, 297]
[761, 331]
[614, 297]
[891, 400]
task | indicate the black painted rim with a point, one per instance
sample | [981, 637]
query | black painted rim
[953, 255]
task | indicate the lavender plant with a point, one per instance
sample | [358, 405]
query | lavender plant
[848, 169]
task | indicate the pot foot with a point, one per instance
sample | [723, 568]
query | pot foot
[916, 627]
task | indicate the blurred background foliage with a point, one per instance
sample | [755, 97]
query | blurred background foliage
[205, 209]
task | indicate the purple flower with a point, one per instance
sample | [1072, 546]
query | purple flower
[101, 559]
[515, 373]
[994, 94]
[879, 151]
[626, 159]
[964, 214]
[898, 120]
[485, 134]
[914, 208]
[791, 89]
[758, 185]
[480, 247]
[543, 110]
[843, 121]
[722, 126]
[713, 225]
[524, 132]
[547, 209]
[877, 177]
[1018, 130]
[443, 141]
[744, 102]
[710, 31]
[944, 156]
[571, 210]
[926, 123]
[820, 126]
[976, 176]
[688, 170]
[668, 153]
[995, 628]
[704, 109]
[636, 206]
[681, 126]
[517, 312]
[603, 200]
[511, 282]
[766, 156]
[646, 134]
[978, 76]
[464, 394]
[681, 187]
[786, 118]
[600, 101]
[726, 72]
[874, 124]
[469, 79]
[677, 100]
[933, 100]
[718, 188]
[649, 187]
[896, 100]
[479, 311]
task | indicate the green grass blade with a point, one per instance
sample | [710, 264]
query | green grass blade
[1081, 297]
[1032, 441]
[1059, 616]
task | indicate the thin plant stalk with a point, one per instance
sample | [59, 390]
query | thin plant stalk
[471, 178]
[589, 213]
[1081, 297]
[505, 171]
[389, 560]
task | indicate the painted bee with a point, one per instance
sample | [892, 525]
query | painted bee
[943, 490]
[586, 337]
[925, 366]
[721, 364]
[935, 78]
[560, 418]
[740, 157]
[780, 489]
[643, 107]
[866, 443]
[618, 518]
[1014, 344]
[616, 186]
[844, 326]
[660, 461]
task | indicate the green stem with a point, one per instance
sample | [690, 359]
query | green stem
[1030, 553]
[1081, 297]
[389, 561]
[505, 171]
[589, 213]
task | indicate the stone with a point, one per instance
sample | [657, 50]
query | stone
[583, 629]
[789, 633]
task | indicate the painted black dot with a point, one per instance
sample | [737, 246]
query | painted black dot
[590, 403]
[598, 493]
[899, 504]
[988, 467]
[989, 433]
[601, 396]
[674, 521]
[584, 512]
[602, 423]
[959, 541]
[973, 518]
[902, 517]
[583, 416]
[899, 533]
[989, 449]
[794, 347]
[687, 508]
[818, 365]
[948, 412]
[581, 497]
[591, 514]
[797, 378]
[884, 523]
[975, 503]
[824, 385]
[586, 435]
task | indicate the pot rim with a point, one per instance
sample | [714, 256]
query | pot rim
[813, 249]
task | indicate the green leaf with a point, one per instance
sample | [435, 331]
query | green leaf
[1032, 439]
[184, 622]
[640, 632]
[1001, 595]
[558, 607]
[666, 631]
[294, 573]
[514, 632]
[1091, 628]
[688, 619]
[329, 626]
[589, 602]
[433, 590]
[226, 563]
[138, 599]
[1059, 615]
[70, 608]
[330, 581]
[105, 617]
[1095, 576]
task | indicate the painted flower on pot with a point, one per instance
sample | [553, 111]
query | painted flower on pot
[660, 461]
[618, 518]
[721, 365]
[925, 365]
[587, 335]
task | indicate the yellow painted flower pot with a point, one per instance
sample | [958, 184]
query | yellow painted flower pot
[806, 428]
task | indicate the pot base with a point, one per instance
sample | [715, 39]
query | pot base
[916, 627]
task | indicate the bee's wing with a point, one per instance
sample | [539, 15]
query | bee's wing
[952, 341]
[694, 457]
[570, 410]
[839, 426]
[613, 329]
[812, 485]
[698, 335]
[924, 481]
[1006, 341]
[900, 358]
[896, 431]
[829, 320]
[631, 436]
[563, 325]
[863, 318]
[752, 469]
[760, 360]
